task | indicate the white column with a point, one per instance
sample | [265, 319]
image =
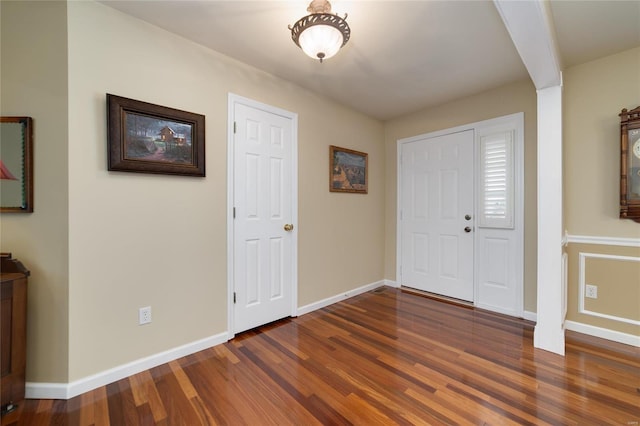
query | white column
[549, 331]
[530, 26]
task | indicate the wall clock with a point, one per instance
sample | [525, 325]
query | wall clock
[630, 164]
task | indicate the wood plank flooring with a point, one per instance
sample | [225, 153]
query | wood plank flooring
[381, 358]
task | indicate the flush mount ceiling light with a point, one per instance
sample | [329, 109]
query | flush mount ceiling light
[322, 33]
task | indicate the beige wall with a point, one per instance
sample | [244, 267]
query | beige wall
[594, 95]
[34, 83]
[508, 99]
[138, 240]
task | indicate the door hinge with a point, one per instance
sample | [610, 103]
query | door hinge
[234, 127]
[234, 212]
[234, 297]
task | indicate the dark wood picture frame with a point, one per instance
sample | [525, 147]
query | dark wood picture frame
[630, 164]
[148, 138]
[348, 170]
[16, 165]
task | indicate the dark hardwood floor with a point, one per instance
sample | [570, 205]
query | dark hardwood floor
[383, 357]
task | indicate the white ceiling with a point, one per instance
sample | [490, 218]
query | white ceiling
[403, 56]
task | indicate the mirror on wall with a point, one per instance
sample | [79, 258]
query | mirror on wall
[16, 165]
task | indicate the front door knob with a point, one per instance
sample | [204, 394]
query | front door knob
[467, 229]
[288, 227]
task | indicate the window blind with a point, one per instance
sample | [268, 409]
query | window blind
[496, 181]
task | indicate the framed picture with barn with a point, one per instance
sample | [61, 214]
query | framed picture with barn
[148, 138]
[347, 170]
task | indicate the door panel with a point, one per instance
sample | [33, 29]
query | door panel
[448, 194]
[276, 280]
[498, 280]
[497, 270]
[449, 256]
[437, 192]
[252, 264]
[420, 193]
[263, 258]
[420, 253]
[499, 242]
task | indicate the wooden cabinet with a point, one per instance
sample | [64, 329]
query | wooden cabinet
[13, 330]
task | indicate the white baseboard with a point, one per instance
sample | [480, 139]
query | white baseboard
[390, 283]
[46, 390]
[604, 333]
[70, 390]
[592, 330]
[339, 297]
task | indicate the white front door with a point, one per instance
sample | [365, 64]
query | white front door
[436, 209]
[264, 208]
[438, 189]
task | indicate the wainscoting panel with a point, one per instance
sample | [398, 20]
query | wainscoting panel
[618, 299]
[613, 266]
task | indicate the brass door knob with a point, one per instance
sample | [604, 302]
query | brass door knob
[288, 227]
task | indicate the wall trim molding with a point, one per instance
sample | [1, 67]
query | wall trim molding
[604, 333]
[592, 330]
[36, 390]
[582, 261]
[391, 283]
[605, 241]
[339, 297]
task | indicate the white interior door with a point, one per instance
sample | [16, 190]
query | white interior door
[264, 210]
[436, 215]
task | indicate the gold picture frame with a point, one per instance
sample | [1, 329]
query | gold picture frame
[348, 170]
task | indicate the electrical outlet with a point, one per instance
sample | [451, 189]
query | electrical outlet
[591, 291]
[144, 315]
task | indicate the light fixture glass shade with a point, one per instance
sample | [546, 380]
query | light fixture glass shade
[321, 41]
[320, 34]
